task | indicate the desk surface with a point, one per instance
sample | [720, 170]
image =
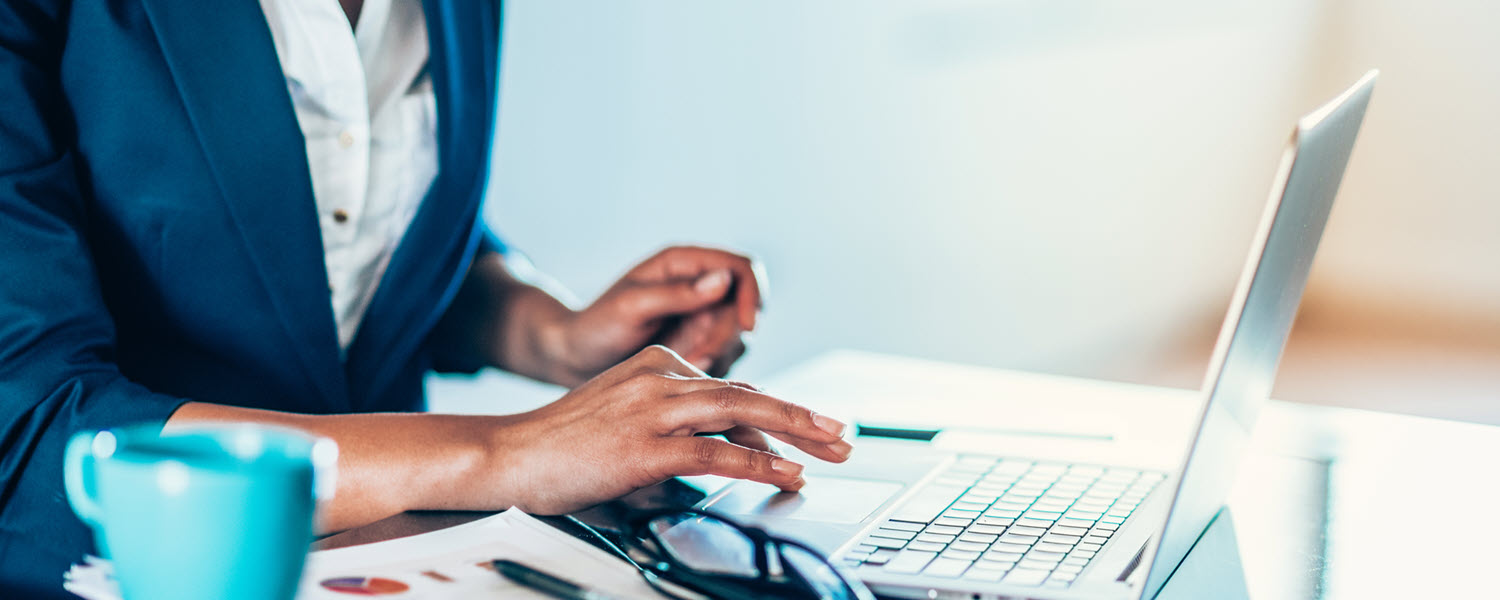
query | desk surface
[1331, 503]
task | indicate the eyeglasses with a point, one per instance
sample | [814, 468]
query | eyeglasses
[713, 555]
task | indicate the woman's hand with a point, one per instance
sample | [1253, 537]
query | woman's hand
[633, 426]
[638, 424]
[697, 301]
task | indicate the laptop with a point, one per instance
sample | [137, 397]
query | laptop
[915, 521]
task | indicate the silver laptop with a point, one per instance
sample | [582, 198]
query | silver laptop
[914, 521]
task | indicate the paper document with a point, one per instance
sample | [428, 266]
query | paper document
[448, 563]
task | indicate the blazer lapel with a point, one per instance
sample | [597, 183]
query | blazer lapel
[224, 62]
[429, 264]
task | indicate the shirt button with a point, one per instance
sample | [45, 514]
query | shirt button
[346, 139]
[339, 216]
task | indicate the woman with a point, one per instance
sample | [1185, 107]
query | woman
[224, 211]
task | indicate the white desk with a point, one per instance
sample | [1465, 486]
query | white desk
[1331, 503]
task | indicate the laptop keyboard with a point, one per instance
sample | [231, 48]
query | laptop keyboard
[1016, 521]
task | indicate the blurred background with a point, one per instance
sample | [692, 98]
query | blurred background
[1058, 186]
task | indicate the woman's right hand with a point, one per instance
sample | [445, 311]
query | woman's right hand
[639, 423]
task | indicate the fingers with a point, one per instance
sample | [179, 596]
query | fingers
[750, 438]
[718, 408]
[650, 301]
[709, 456]
[711, 340]
[688, 403]
[681, 262]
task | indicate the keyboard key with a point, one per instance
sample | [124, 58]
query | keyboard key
[1103, 532]
[1083, 515]
[944, 530]
[936, 538]
[1050, 558]
[1019, 540]
[983, 528]
[903, 525]
[1038, 565]
[1024, 530]
[979, 573]
[952, 521]
[1057, 538]
[957, 513]
[969, 546]
[999, 513]
[880, 557]
[1063, 577]
[959, 555]
[944, 567]
[909, 561]
[1065, 530]
[1056, 507]
[978, 538]
[1065, 568]
[997, 556]
[1004, 504]
[1042, 515]
[1095, 539]
[1038, 523]
[928, 504]
[1091, 506]
[982, 500]
[1031, 577]
[1107, 526]
[1050, 547]
[1085, 554]
[1114, 520]
[894, 534]
[976, 507]
[881, 542]
[1004, 546]
[1066, 522]
[863, 549]
[926, 546]
[1089, 547]
[1075, 561]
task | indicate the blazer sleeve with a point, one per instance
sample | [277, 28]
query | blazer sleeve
[57, 371]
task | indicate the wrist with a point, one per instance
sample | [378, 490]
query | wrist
[457, 467]
[556, 339]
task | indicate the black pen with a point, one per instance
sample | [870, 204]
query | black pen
[545, 583]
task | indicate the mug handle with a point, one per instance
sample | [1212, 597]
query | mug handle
[78, 476]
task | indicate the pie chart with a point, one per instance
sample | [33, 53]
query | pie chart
[364, 586]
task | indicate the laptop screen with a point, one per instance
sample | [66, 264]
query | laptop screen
[1260, 318]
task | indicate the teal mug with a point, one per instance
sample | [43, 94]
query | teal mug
[223, 512]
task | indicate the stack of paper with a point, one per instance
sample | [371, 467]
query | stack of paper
[448, 563]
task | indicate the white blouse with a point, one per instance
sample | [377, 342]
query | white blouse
[365, 103]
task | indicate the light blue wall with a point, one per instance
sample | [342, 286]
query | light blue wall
[1060, 186]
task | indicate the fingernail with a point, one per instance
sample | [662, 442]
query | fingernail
[786, 467]
[703, 363]
[842, 448]
[713, 282]
[829, 424]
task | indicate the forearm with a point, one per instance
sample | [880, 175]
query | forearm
[388, 463]
[510, 323]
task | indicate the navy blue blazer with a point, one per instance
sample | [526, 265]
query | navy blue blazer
[159, 242]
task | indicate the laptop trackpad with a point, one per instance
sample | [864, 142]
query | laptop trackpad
[824, 499]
